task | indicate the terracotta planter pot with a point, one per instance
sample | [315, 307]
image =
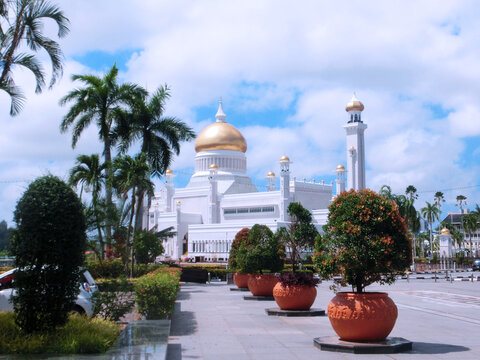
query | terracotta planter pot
[362, 317]
[262, 285]
[294, 297]
[241, 280]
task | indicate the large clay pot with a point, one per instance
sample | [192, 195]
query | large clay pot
[294, 297]
[362, 316]
[241, 280]
[262, 285]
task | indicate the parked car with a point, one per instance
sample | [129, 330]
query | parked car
[83, 304]
[476, 265]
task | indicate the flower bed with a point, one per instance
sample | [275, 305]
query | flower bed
[155, 293]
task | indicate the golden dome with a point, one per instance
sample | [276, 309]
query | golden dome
[270, 173]
[213, 167]
[169, 172]
[340, 167]
[444, 231]
[354, 104]
[220, 136]
[284, 158]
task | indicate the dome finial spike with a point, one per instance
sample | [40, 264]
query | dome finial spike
[220, 116]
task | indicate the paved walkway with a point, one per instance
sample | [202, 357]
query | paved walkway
[212, 322]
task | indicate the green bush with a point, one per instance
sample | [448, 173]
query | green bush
[80, 335]
[262, 252]
[147, 247]
[155, 293]
[240, 237]
[119, 284]
[48, 245]
[114, 268]
[112, 305]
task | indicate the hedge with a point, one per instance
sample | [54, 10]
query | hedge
[156, 292]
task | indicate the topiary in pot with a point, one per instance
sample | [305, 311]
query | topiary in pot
[240, 279]
[365, 241]
[261, 253]
[296, 290]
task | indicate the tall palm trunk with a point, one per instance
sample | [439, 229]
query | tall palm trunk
[129, 232]
[108, 187]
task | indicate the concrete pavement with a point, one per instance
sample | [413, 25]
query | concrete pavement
[212, 322]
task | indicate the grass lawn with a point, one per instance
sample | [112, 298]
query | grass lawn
[80, 335]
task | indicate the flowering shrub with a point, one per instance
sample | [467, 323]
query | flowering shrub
[240, 237]
[297, 278]
[155, 292]
[365, 241]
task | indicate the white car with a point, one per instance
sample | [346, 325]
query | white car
[83, 304]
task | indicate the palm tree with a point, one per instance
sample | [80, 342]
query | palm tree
[24, 29]
[431, 214]
[386, 191]
[132, 175]
[411, 191]
[439, 198]
[88, 171]
[470, 225]
[160, 135]
[100, 100]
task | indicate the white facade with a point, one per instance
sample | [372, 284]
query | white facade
[221, 199]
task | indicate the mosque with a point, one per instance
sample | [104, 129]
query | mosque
[220, 198]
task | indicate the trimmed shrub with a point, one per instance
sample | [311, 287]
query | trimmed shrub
[156, 292]
[297, 278]
[80, 335]
[114, 268]
[112, 305]
[48, 246]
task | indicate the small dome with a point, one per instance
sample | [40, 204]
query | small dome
[333, 198]
[169, 172]
[213, 167]
[270, 173]
[340, 167]
[354, 104]
[352, 148]
[284, 158]
[444, 231]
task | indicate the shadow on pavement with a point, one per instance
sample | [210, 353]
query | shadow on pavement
[435, 348]
[174, 352]
[182, 322]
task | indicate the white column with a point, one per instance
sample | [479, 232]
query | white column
[284, 187]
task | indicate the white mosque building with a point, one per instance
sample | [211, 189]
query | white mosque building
[221, 199]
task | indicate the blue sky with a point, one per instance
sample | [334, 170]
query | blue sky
[285, 72]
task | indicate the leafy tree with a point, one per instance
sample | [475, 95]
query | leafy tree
[431, 213]
[262, 252]
[5, 236]
[101, 100]
[439, 198]
[21, 25]
[300, 234]
[240, 237]
[147, 247]
[48, 246]
[365, 241]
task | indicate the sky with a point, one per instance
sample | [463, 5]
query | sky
[285, 71]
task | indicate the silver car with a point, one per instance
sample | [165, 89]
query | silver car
[83, 304]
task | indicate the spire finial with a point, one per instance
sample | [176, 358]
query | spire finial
[220, 116]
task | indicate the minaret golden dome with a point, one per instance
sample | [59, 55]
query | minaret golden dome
[213, 167]
[169, 172]
[284, 158]
[340, 167]
[444, 231]
[220, 136]
[354, 104]
[271, 173]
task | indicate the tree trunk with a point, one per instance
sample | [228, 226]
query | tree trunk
[129, 230]
[108, 187]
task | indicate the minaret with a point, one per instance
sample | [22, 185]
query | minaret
[271, 181]
[213, 195]
[169, 188]
[355, 129]
[340, 179]
[284, 187]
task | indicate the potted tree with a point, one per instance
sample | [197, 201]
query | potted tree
[240, 279]
[261, 256]
[296, 290]
[365, 241]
